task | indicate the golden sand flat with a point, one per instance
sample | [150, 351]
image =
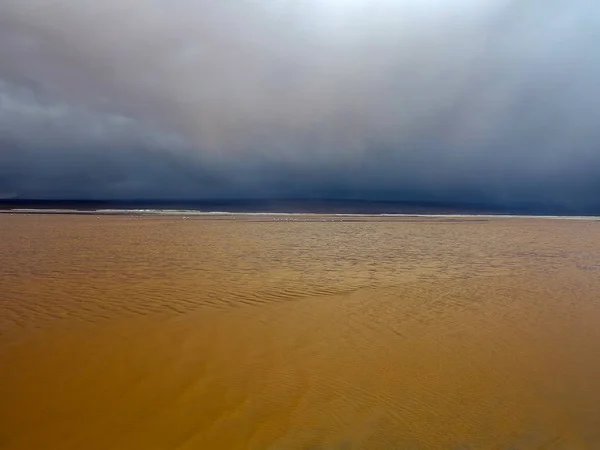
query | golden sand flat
[163, 333]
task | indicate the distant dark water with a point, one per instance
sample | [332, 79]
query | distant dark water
[322, 206]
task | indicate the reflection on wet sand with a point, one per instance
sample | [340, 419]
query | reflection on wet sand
[164, 333]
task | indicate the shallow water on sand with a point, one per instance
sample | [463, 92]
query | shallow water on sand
[166, 333]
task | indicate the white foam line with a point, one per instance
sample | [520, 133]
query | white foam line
[166, 212]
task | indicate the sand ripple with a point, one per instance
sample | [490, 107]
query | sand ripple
[162, 333]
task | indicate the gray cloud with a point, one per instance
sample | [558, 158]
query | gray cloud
[489, 100]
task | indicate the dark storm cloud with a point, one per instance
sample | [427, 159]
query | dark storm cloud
[486, 100]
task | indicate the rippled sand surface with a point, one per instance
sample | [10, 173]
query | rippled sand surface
[165, 333]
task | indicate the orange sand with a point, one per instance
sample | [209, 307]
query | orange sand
[164, 333]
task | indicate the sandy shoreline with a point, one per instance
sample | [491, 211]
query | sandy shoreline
[153, 332]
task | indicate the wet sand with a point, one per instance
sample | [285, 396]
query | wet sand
[256, 333]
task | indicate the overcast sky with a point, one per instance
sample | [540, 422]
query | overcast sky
[469, 100]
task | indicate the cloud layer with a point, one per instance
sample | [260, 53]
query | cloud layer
[482, 100]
